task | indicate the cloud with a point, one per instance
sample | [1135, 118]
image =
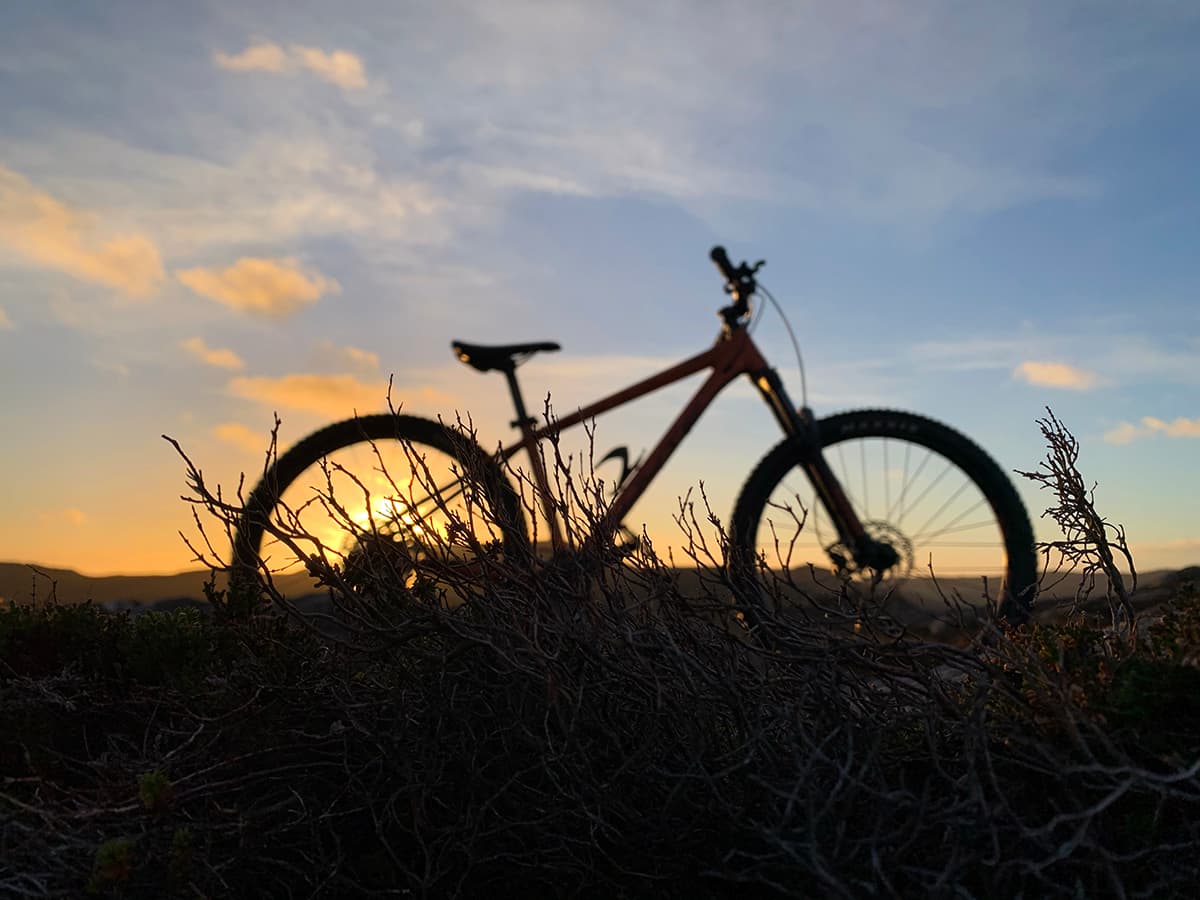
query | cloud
[45, 231]
[332, 395]
[273, 288]
[240, 436]
[267, 186]
[340, 67]
[887, 136]
[213, 356]
[1125, 432]
[5, 322]
[345, 358]
[1181, 427]
[439, 399]
[361, 359]
[255, 58]
[1056, 375]
[514, 178]
[1162, 358]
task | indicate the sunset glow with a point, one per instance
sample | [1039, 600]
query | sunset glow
[243, 210]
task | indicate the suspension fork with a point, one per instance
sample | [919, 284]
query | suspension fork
[800, 425]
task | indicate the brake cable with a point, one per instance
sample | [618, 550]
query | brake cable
[791, 334]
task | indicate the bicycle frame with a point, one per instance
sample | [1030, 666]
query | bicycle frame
[733, 354]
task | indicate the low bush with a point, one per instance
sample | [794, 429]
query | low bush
[586, 727]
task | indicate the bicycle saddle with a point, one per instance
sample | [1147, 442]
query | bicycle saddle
[503, 356]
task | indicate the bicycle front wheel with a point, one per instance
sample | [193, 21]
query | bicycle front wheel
[392, 496]
[931, 494]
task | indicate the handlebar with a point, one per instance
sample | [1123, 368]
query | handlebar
[739, 283]
[721, 258]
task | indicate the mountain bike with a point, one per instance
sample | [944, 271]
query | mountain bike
[880, 496]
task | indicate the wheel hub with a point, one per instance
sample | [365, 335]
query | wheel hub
[888, 553]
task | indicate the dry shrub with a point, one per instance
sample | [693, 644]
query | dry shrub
[585, 726]
[1092, 550]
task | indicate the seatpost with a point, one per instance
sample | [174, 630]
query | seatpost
[523, 420]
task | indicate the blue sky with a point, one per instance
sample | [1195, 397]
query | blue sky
[213, 211]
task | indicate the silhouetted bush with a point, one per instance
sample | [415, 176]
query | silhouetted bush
[585, 726]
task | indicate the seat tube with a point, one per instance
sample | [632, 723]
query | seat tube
[529, 441]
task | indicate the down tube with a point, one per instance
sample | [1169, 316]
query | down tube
[640, 480]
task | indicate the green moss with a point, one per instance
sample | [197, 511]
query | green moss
[155, 791]
[113, 865]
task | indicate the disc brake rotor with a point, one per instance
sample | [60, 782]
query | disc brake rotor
[881, 532]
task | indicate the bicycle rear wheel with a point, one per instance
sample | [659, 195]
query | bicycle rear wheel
[391, 496]
[935, 497]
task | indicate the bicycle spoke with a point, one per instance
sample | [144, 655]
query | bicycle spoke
[953, 526]
[945, 505]
[862, 455]
[887, 478]
[909, 479]
[925, 493]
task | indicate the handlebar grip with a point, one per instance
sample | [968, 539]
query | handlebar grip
[721, 258]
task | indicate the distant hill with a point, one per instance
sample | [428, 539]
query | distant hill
[19, 583]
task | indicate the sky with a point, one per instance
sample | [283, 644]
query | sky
[213, 212]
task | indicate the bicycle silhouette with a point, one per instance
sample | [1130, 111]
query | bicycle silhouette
[871, 494]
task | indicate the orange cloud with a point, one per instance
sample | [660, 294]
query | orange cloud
[1124, 434]
[264, 287]
[5, 322]
[442, 399]
[47, 232]
[348, 358]
[332, 395]
[1180, 428]
[221, 358]
[1057, 375]
[241, 436]
[256, 58]
[363, 358]
[340, 67]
